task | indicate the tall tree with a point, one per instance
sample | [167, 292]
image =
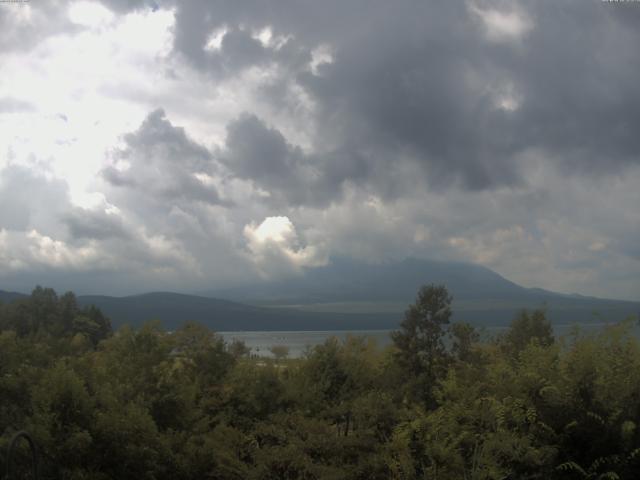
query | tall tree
[421, 350]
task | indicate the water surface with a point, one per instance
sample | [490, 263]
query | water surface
[299, 341]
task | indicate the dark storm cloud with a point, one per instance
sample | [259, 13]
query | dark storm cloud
[237, 51]
[496, 132]
[432, 95]
[429, 83]
[238, 48]
[260, 153]
[160, 163]
[578, 74]
[94, 224]
[256, 152]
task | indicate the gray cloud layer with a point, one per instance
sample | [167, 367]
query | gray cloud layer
[423, 82]
[497, 132]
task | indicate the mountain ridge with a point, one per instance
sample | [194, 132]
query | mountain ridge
[397, 281]
[348, 295]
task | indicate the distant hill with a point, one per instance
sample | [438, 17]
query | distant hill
[7, 297]
[173, 309]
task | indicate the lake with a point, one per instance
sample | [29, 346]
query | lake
[299, 341]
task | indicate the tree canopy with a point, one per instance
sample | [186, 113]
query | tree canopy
[438, 403]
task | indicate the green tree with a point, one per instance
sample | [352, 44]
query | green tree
[525, 328]
[421, 350]
[238, 349]
[280, 352]
[464, 336]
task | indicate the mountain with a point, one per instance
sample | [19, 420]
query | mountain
[480, 295]
[344, 280]
[348, 295]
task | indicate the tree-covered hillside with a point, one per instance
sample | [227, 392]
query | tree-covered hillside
[147, 404]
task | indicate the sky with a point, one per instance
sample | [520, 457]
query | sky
[192, 145]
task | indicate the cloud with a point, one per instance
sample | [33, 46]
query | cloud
[254, 151]
[44, 236]
[502, 25]
[95, 224]
[89, 14]
[24, 25]
[10, 105]
[275, 247]
[126, 6]
[30, 200]
[159, 163]
[32, 237]
[238, 50]
[427, 88]
[34, 252]
[261, 154]
[488, 131]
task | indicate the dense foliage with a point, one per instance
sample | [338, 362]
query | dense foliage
[149, 404]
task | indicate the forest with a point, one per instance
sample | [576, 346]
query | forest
[439, 403]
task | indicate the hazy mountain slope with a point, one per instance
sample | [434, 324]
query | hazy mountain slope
[480, 295]
[346, 280]
[173, 309]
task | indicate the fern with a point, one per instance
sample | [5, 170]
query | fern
[596, 417]
[634, 454]
[609, 476]
[572, 467]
